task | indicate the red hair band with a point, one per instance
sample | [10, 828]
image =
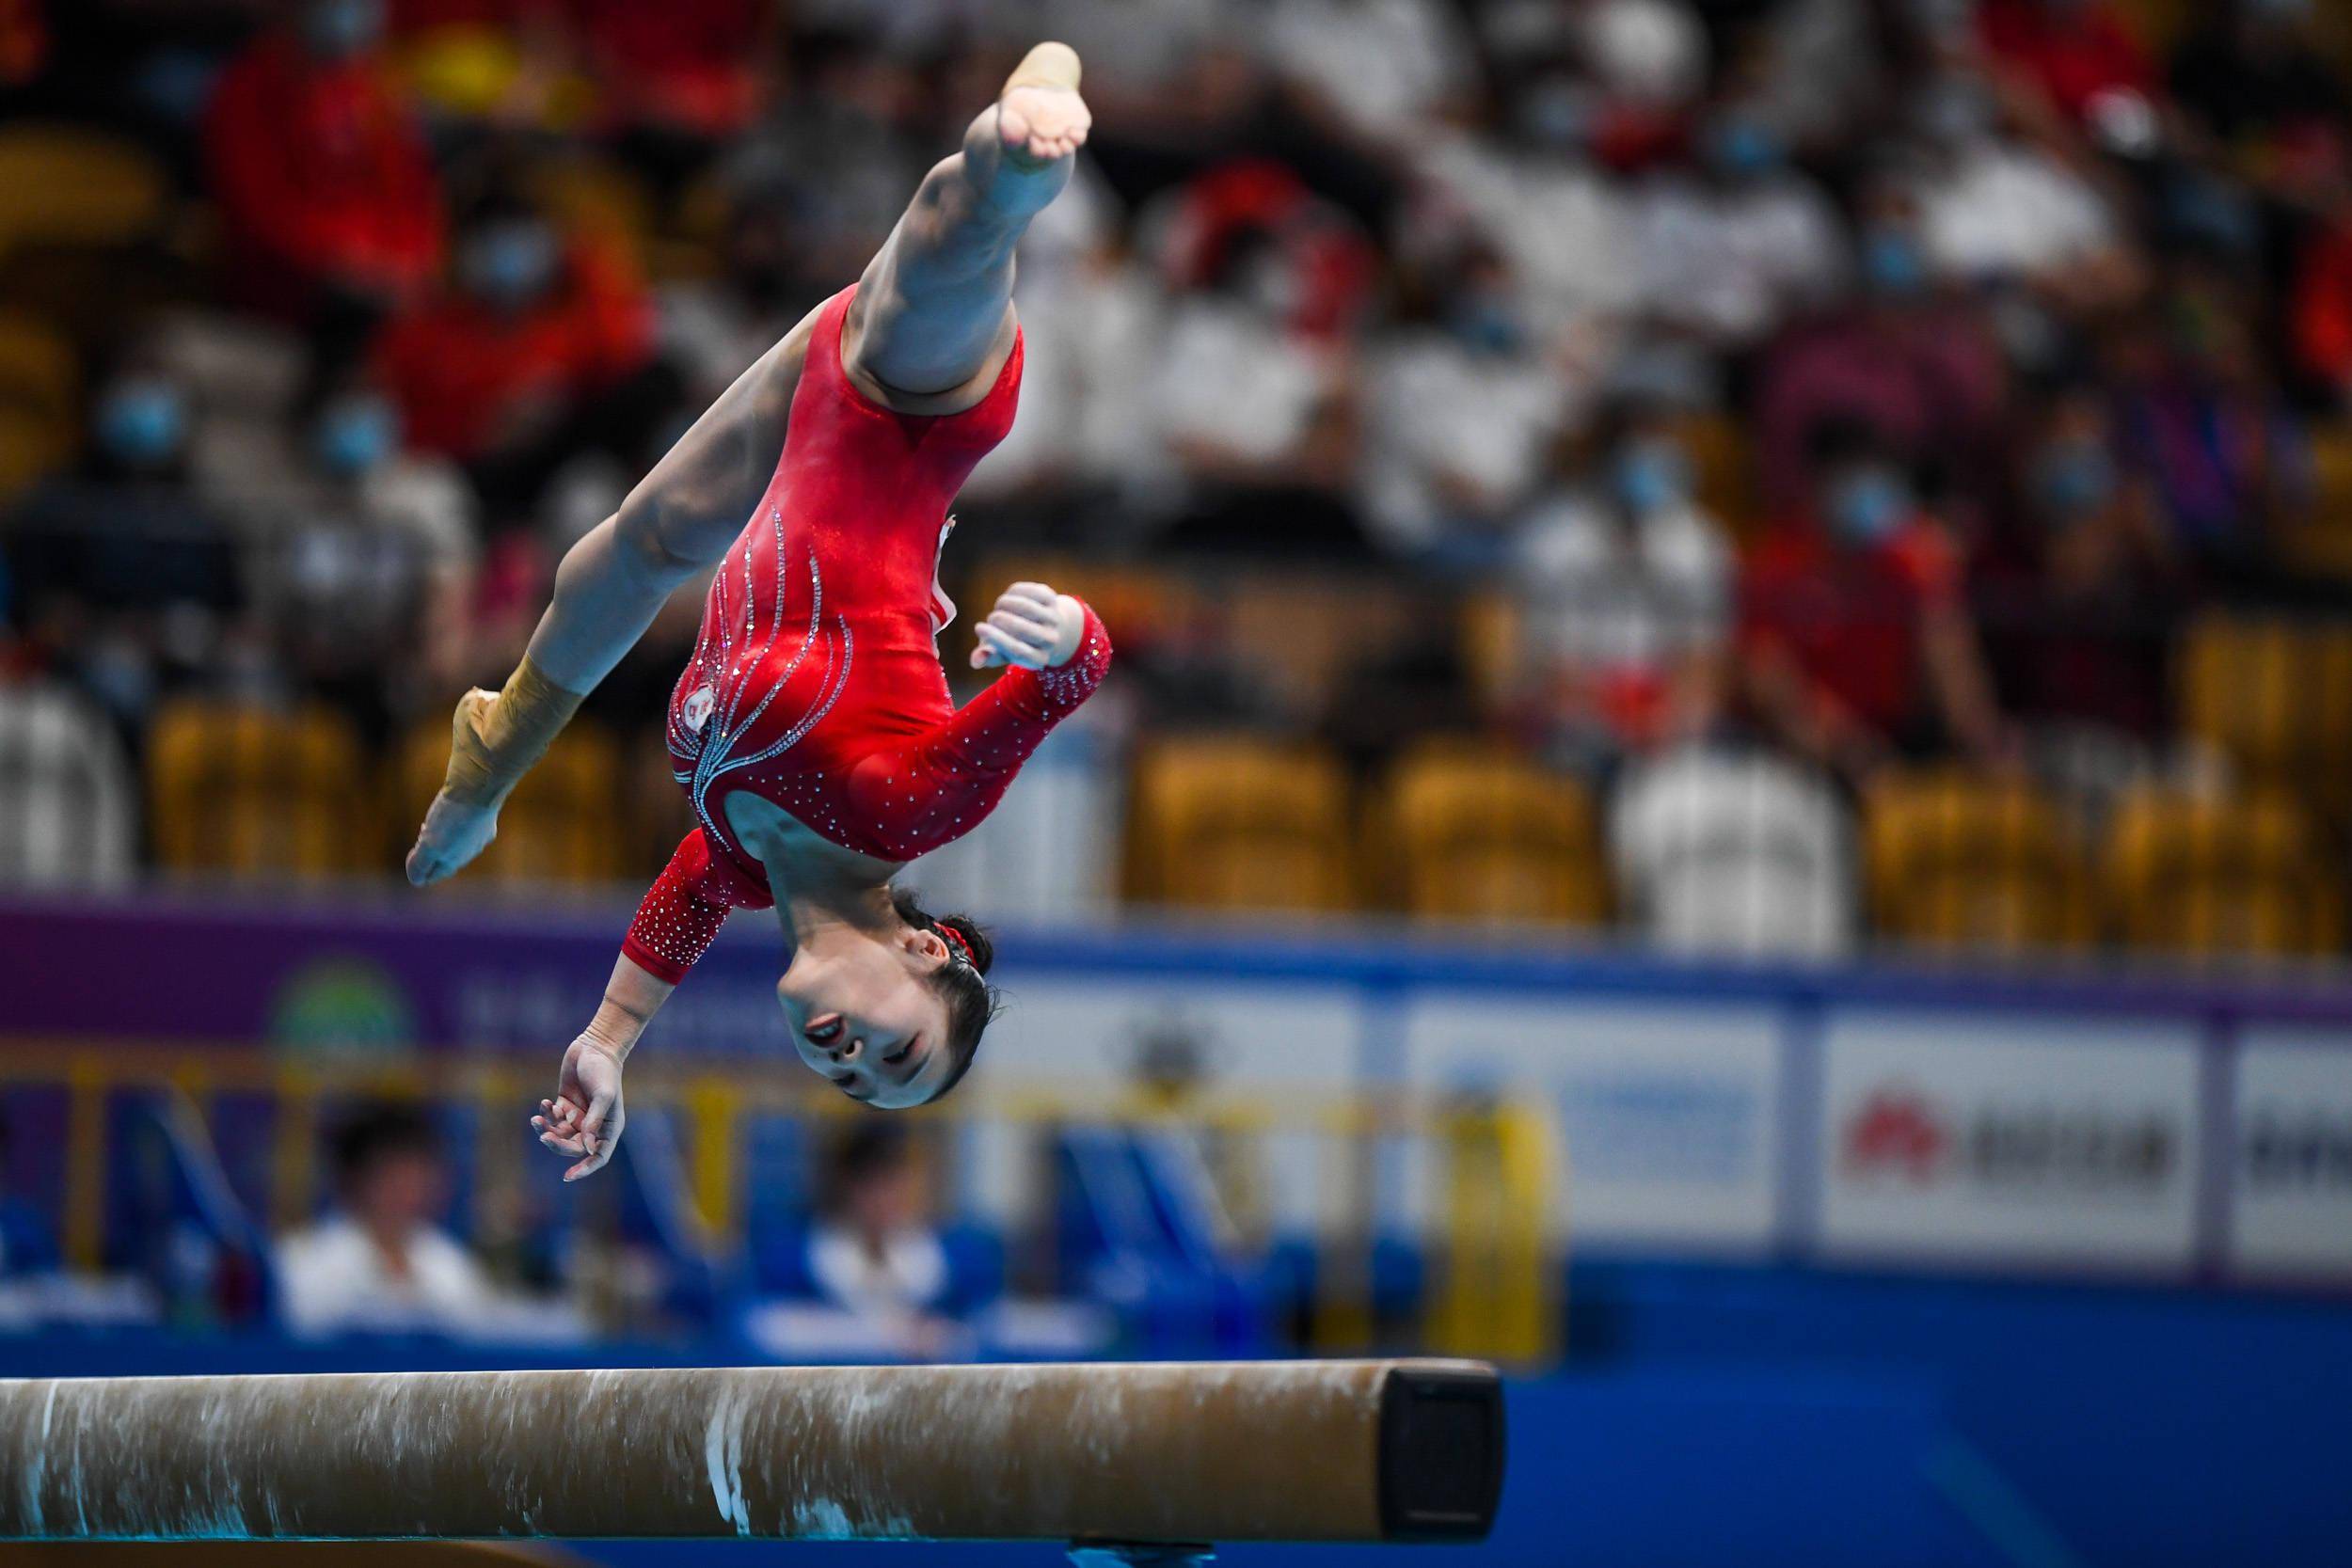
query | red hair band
[963, 945]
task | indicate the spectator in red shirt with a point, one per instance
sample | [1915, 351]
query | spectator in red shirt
[1858, 645]
[687, 65]
[2322, 307]
[2082, 55]
[687, 71]
[322, 174]
[537, 349]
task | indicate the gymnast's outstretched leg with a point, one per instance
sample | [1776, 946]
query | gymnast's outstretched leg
[931, 327]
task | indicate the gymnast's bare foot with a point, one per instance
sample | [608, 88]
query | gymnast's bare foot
[453, 831]
[1040, 124]
[451, 836]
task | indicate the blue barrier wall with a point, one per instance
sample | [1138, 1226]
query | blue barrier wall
[2125, 1123]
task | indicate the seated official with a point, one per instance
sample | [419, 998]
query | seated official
[379, 1263]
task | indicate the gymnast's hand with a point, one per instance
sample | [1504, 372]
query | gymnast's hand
[584, 1122]
[1032, 627]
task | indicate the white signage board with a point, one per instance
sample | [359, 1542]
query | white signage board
[2008, 1139]
[2291, 1176]
[1244, 1037]
[1669, 1113]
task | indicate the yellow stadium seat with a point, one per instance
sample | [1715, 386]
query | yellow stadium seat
[568, 821]
[2321, 546]
[1724, 462]
[598, 201]
[255, 792]
[1967, 863]
[2274, 695]
[1489, 636]
[40, 400]
[64, 184]
[1233, 823]
[1139, 603]
[1304, 634]
[2200, 875]
[1473, 831]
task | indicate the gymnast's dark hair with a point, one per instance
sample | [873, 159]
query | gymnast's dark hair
[961, 982]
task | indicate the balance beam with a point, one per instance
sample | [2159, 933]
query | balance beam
[1129, 1454]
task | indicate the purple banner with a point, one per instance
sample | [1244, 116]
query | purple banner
[354, 976]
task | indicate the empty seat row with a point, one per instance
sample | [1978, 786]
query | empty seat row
[1703, 851]
[1967, 862]
[1727, 852]
[251, 791]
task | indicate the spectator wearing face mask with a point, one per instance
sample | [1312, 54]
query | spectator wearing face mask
[1462, 409]
[1994, 208]
[330, 201]
[369, 577]
[1563, 224]
[537, 348]
[2079, 630]
[2200, 416]
[1741, 240]
[1917, 366]
[123, 576]
[1252, 399]
[1856, 643]
[1624, 583]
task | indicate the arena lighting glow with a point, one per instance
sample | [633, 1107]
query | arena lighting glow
[1136, 1463]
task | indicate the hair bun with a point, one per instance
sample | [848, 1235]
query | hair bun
[983, 951]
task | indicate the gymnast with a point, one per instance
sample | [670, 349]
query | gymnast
[813, 731]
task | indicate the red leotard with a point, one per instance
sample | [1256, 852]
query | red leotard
[816, 684]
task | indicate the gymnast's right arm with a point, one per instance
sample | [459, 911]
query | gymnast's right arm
[583, 1122]
[677, 523]
[674, 926]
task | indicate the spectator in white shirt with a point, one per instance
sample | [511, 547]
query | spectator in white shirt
[1252, 395]
[1386, 67]
[1462, 413]
[875, 1251]
[1734, 247]
[1625, 590]
[1561, 222]
[1994, 207]
[379, 1263]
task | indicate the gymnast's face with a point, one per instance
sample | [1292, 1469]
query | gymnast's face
[864, 1014]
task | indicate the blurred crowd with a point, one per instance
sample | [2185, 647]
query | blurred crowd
[1864, 381]
[857, 1261]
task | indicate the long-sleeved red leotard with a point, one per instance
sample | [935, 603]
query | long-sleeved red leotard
[816, 684]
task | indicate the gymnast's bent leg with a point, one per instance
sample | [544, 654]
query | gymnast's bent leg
[932, 325]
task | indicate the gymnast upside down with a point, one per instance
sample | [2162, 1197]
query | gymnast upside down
[813, 730]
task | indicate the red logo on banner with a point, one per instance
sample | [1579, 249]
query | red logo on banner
[1894, 1130]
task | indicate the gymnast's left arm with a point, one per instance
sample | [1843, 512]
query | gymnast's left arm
[1054, 652]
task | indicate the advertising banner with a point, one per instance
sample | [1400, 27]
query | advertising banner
[1293, 1045]
[1670, 1114]
[2025, 1139]
[2291, 1157]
